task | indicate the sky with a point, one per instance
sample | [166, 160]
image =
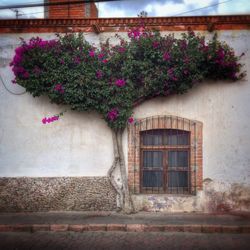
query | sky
[131, 8]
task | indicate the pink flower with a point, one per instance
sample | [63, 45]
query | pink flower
[121, 50]
[101, 55]
[58, 87]
[99, 74]
[105, 61]
[113, 114]
[130, 120]
[220, 53]
[166, 56]
[77, 60]
[26, 75]
[92, 53]
[135, 33]
[155, 44]
[44, 120]
[170, 71]
[120, 83]
[50, 119]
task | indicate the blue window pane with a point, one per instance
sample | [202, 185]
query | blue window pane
[152, 159]
[152, 179]
[152, 137]
[178, 179]
[177, 159]
[165, 137]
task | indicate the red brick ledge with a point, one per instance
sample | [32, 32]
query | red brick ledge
[126, 228]
[232, 22]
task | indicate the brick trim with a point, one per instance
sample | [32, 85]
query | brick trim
[165, 122]
[235, 22]
[192, 228]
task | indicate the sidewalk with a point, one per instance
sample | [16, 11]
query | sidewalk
[112, 221]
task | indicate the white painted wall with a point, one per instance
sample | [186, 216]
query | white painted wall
[81, 144]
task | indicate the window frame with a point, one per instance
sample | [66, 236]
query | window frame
[165, 122]
[165, 149]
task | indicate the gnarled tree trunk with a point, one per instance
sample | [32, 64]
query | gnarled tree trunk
[124, 199]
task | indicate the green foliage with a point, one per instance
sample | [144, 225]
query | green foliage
[112, 79]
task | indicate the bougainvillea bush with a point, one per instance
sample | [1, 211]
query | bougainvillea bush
[112, 79]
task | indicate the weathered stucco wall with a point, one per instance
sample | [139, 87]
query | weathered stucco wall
[81, 144]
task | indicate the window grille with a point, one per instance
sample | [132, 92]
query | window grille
[165, 161]
[165, 155]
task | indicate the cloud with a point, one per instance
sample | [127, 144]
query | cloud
[156, 8]
[235, 7]
[35, 12]
[131, 8]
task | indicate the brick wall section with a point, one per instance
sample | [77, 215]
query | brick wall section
[71, 10]
[64, 24]
[56, 194]
[165, 122]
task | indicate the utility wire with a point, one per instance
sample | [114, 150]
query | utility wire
[208, 6]
[11, 92]
[19, 6]
[179, 14]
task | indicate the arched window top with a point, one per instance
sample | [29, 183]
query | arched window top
[166, 122]
[165, 137]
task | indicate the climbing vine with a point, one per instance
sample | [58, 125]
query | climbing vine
[112, 79]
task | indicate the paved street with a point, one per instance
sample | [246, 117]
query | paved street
[122, 240]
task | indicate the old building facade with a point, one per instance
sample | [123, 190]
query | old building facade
[195, 145]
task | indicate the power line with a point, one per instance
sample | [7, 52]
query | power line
[19, 6]
[11, 92]
[208, 6]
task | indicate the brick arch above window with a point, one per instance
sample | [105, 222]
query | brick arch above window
[137, 129]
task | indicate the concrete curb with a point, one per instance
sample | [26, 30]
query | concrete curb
[125, 228]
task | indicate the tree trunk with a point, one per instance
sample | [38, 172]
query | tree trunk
[124, 199]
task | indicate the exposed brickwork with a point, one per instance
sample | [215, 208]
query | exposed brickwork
[64, 24]
[165, 122]
[57, 193]
[71, 10]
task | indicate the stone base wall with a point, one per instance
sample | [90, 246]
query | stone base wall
[216, 197]
[56, 194]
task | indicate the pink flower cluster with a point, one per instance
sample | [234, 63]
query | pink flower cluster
[136, 33]
[50, 119]
[120, 83]
[156, 44]
[99, 74]
[77, 60]
[121, 49]
[113, 114]
[171, 74]
[100, 56]
[37, 42]
[131, 120]
[91, 53]
[58, 87]
[166, 56]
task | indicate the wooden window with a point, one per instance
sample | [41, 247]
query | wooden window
[165, 161]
